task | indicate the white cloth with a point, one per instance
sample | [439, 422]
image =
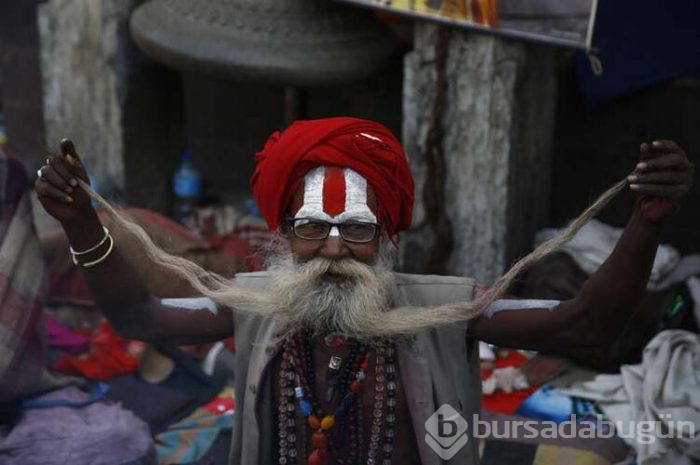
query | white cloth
[667, 382]
[592, 245]
[694, 288]
[506, 379]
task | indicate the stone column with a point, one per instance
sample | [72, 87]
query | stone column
[478, 120]
[122, 110]
[80, 56]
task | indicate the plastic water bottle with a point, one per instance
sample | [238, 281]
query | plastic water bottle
[187, 189]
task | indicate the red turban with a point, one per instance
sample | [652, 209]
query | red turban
[376, 155]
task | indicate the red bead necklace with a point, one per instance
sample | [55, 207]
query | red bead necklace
[337, 428]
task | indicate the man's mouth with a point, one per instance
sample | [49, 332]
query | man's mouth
[335, 276]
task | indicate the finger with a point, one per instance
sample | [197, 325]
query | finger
[51, 176]
[73, 159]
[674, 161]
[659, 177]
[665, 146]
[45, 189]
[68, 150]
[658, 190]
[58, 164]
[645, 152]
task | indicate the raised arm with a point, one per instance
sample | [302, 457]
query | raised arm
[117, 289]
[599, 313]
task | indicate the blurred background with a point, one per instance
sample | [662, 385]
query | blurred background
[529, 134]
[514, 115]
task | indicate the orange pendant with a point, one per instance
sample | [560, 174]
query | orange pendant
[313, 422]
[328, 422]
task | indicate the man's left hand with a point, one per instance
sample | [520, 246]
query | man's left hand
[661, 179]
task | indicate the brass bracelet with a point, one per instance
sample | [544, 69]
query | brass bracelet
[98, 260]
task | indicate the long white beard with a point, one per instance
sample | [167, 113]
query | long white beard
[324, 296]
[345, 297]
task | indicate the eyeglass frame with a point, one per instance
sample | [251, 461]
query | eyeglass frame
[377, 228]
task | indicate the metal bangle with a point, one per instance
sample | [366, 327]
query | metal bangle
[98, 260]
[93, 248]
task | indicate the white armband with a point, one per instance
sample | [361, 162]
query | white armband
[191, 303]
[517, 304]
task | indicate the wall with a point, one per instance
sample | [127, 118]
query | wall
[594, 149]
[20, 81]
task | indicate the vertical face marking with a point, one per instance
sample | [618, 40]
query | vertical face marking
[335, 194]
[334, 191]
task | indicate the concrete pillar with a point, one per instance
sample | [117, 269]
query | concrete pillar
[478, 120]
[80, 47]
[122, 110]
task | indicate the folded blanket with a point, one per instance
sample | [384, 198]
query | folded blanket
[71, 428]
[664, 390]
[594, 243]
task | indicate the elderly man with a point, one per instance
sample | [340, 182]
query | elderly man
[326, 370]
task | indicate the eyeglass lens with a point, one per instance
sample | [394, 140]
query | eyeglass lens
[350, 231]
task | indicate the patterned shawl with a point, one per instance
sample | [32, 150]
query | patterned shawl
[22, 290]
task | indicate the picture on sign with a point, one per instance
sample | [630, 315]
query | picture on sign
[561, 22]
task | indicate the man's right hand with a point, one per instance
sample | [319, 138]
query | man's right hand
[117, 286]
[57, 186]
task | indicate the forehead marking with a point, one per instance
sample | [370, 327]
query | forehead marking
[323, 199]
[334, 187]
[356, 191]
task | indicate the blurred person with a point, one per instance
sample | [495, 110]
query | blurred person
[46, 419]
[340, 359]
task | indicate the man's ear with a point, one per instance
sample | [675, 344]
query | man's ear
[285, 230]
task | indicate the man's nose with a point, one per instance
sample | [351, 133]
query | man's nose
[334, 246]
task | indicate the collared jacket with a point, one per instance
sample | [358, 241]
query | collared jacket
[437, 367]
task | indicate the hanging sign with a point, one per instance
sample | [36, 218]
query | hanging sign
[567, 23]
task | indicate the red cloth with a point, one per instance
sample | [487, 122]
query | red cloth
[221, 405]
[110, 356]
[289, 155]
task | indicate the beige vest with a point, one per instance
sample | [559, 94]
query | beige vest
[437, 367]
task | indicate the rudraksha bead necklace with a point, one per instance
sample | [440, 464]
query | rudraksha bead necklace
[334, 419]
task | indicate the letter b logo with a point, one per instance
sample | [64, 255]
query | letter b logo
[446, 432]
[446, 428]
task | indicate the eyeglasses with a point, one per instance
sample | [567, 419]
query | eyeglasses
[312, 229]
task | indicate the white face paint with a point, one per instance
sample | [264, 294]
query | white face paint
[356, 207]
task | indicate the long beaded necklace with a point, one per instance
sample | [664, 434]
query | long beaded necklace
[297, 379]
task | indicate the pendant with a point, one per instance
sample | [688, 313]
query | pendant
[319, 439]
[335, 363]
[317, 457]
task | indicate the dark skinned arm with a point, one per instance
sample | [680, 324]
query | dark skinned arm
[599, 313]
[115, 286]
